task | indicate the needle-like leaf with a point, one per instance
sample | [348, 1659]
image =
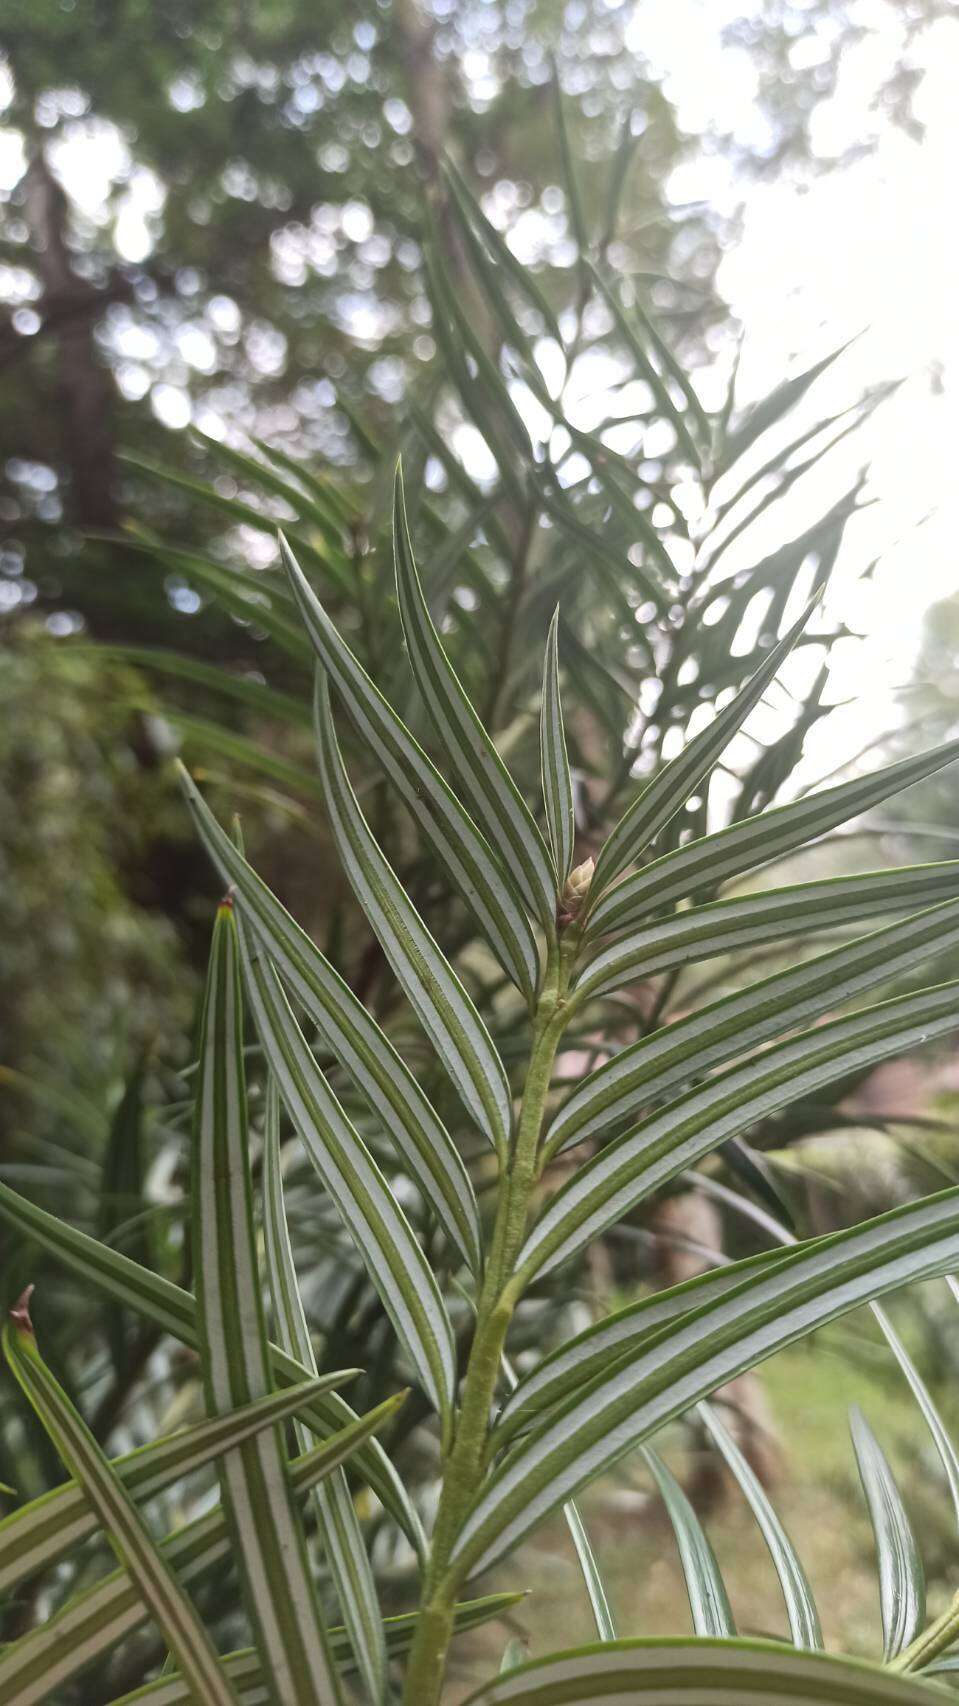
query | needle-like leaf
[727, 926]
[902, 1585]
[173, 1311]
[483, 880]
[353, 1037]
[38, 1534]
[638, 1393]
[699, 1673]
[462, 1043]
[741, 1021]
[246, 1671]
[497, 806]
[370, 1212]
[576, 1361]
[149, 1572]
[756, 840]
[270, 1550]
[80, 1632]
[554, 764]
[667, 792]
[801, 1610]
[650, 373]
[338, 1525]
[651, 1153]
[705, 1588]
[592, 1576]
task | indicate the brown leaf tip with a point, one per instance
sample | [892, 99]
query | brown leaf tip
[20, 1313]
[226, 904]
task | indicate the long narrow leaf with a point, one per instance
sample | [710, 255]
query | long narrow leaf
[728, 926]
[497, 806]
[280, 1594]
[699, 1673]
[573, 1363]
[462, 1043]
[40, 1533]
[638, 1393]
[326, 557]
[585, 1557]
[201, 734]
[246, 1670]
[774, 407]
[301, 503]
[554, 764]
[238, 591]
[353, 1037]
[254, 695]
[667, 792]
[595, 1586]
[705, 1588]
[574, 201]
[648, 371]
[741, 1021]
[804, 1626]
[902, 1586]
[173, 1311]
[150, 1573]
[644, 1158]
[373, 1218]
[755, 840]
[482, 879]
[88, 1625]
[338, 1525]
[522, 277]
[948, 1455]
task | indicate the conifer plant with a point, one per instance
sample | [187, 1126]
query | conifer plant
[567, 932]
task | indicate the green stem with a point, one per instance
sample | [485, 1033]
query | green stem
[935, 1640]
[464, 1465]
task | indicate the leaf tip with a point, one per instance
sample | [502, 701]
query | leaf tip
[20, 1313]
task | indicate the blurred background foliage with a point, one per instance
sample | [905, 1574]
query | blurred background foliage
[247, 257]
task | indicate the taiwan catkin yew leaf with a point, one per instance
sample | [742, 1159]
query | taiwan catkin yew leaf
[482, 879]
[41, 1532]
[625, 1403]
[150, 1573]
[338, 1525]
[756, 840]
[173, 1311]
[748, 921]
[667, 792]
[270, 1547]
[353, 1037]
[653, 1152]
[804, 1626]
[705, 1589]
[746, 1018]
[571, 1364]
[463, 1045]
[246, 1671]
[699, 1673]
[554, 763]
[86, 1626]
[373, 1218]
[494, 800]
[902, 1587]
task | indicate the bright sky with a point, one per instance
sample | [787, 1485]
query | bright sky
[872, 248]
